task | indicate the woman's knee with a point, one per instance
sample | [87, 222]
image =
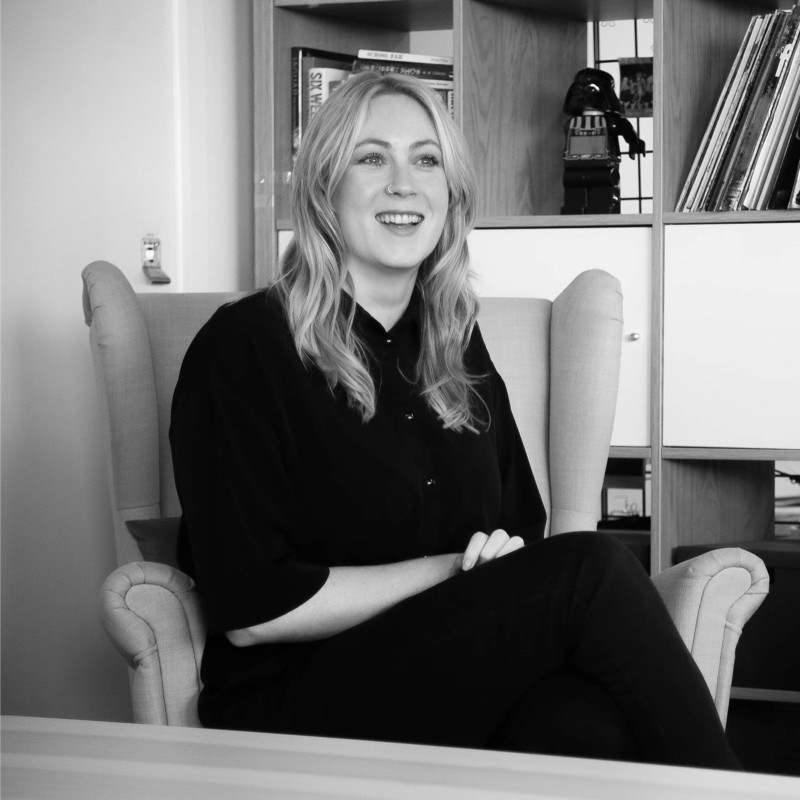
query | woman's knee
[597, 553]
[593, 545]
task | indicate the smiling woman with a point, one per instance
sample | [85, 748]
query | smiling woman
[385, 146]
[391, 204]
[359, 512]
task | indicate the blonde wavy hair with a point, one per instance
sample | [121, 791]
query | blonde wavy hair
[313, 275]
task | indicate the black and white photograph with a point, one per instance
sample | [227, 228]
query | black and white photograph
[399, 399]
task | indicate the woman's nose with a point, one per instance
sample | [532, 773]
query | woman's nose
[403, 181]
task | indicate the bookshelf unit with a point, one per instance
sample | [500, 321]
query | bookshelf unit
[513, 63]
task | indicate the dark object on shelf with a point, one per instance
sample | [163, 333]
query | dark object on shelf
[591, 151]
[768, 654]
[765, 735]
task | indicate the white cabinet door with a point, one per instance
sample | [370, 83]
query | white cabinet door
[732, 336]
[540, 262]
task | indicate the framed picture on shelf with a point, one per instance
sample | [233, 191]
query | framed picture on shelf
[623, 501]
[636, 86]
[625, 498]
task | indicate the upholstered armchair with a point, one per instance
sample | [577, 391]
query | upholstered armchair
[560, 361]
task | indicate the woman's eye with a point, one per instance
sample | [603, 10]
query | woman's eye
[429, 161]
[371, 159]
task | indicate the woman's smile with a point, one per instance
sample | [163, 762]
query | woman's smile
[401, 221]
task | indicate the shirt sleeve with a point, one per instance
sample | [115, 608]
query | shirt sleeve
[237, 501]
[523, 512]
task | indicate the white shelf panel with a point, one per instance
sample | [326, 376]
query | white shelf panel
[540, 262]
[731, 328]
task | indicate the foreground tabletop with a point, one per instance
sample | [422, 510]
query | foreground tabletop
[65, 759]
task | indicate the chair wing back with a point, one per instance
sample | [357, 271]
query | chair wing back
[517, 335]
[138, 342]
[585, 353]
[561, 363]
[172, 321]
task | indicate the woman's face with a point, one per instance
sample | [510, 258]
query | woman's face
[392, 200]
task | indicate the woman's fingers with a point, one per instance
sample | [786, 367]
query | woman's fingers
[483, 548]
[514, 543]
[494, 544]
[473, 551]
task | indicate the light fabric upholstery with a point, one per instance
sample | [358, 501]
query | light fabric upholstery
[560, 361]
[135, 382]
[152, 613]
[710, 598]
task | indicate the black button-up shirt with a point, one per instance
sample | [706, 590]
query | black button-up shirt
[279, 479]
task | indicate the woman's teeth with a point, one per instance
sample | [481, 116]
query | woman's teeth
[399, 219]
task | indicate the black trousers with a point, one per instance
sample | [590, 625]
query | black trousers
[561, 647]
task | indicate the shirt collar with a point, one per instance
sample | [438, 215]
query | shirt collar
[409, 322]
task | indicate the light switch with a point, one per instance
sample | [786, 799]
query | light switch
[151, 259]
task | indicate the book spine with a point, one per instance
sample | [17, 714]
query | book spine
[417, 70]
[794, 196]
[772, 103]
[321, 82]
[386, 55]
[296, 102]
[777, 139]
[315, 91]
[732, 115]
[788, 165]
[704, 159]
[731, 175]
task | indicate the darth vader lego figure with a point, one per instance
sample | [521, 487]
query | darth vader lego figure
[591, 152]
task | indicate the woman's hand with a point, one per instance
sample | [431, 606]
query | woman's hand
[483, 548]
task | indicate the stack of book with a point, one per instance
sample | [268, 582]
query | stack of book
[436, 71]
[749, 156]
[317, 73]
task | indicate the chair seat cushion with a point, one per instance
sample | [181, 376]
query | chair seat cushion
[157, 538]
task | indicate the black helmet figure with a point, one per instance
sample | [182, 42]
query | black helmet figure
[591, 151]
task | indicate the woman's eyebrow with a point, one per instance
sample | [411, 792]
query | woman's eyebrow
[426, 143]
[388, 145]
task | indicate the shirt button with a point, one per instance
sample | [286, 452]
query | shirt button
[409, 415]
[388, 340]
[430, 482]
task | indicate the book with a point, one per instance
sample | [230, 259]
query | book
[725, 111]
[729, 166]
[755, 134]
[746, 158]
[787, 173]
[775, 153]
[436, 71]
[304, 59]
[422, 71]
[420, 66]
[732, 171]
[322, 81]
[731, 122]
[776, 147]
[794, 194]
[385, 55]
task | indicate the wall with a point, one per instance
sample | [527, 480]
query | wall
[119, 119]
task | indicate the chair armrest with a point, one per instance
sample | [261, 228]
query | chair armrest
[710, 598]
[152, 614]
